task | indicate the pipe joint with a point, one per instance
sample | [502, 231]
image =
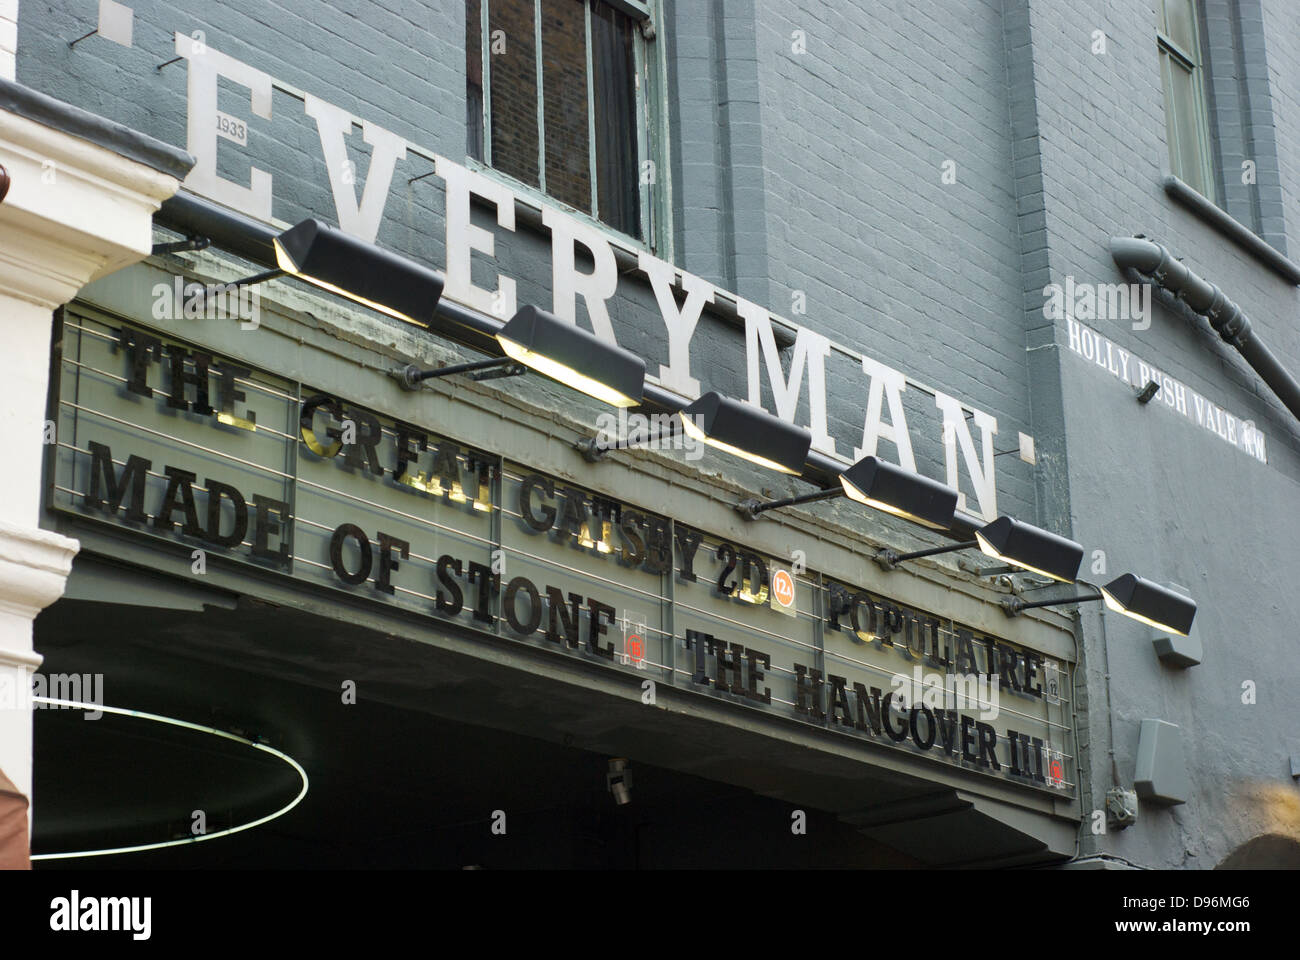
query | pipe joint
[1161, 272]
[1206, 299]
[1217, 303]
[1235, 329]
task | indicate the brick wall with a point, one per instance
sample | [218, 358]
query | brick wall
[514, 89]
[1281, 52]
[912, 270]
[1151, 490]
[1242, 115]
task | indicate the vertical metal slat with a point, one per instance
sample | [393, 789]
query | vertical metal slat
[591, 114]
[541, 104]
[485, 43]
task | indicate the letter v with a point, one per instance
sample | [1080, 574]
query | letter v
[334, 124]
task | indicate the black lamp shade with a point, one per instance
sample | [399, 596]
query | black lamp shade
[570, 355]
[1032, 548]
[748, 432]
[889, 487]
[1150, 603]
[370, 275]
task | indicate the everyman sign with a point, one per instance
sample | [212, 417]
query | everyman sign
[588, 266]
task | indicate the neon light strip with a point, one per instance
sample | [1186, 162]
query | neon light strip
[188, 726]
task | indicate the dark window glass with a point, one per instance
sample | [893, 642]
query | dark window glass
[474, 79]
[613, 64]
[512, 79]
[586, 153]
[564, 90]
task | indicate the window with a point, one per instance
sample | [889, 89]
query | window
[1182, 75]
[556, 94]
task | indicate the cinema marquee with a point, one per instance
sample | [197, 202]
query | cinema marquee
[210, 456]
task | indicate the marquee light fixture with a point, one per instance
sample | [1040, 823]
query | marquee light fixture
[748, 432]
[882, 485]
[1013, 542]
[360, 271]
[1150, 603]
[1134, 597]
[889, 487]
[570, 355]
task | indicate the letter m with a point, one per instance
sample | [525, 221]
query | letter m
[107, 490]
[116, 913]
[1117, 301]
[66, 686]
[810, 352]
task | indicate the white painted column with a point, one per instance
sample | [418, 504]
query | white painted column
[75, 211]
[8, 38]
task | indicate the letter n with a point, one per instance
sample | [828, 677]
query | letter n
[956, 434]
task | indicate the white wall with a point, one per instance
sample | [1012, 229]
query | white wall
[8, 37]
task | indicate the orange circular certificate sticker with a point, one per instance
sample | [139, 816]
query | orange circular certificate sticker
[783, 588]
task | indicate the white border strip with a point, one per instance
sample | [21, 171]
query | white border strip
[188, 726]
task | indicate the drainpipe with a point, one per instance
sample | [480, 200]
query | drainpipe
[1228, 320]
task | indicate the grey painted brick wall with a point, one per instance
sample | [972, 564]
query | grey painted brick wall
[1151, 490]
[1281, 32]
[1241, 115]
[922, 275]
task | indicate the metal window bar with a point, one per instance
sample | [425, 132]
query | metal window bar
[591, 113]
[541, 95]
[485, 43]
[642, 126]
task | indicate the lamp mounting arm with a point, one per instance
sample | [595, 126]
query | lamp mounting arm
[410, 376]
[1014, 606]
[593, 450]
[751, 508]
[888, 559]
[182, 246]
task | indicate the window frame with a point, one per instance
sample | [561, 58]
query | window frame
[650, 74]
[1191, 61]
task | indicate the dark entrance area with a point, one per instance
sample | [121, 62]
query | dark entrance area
[423, 747]
[392, 781]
